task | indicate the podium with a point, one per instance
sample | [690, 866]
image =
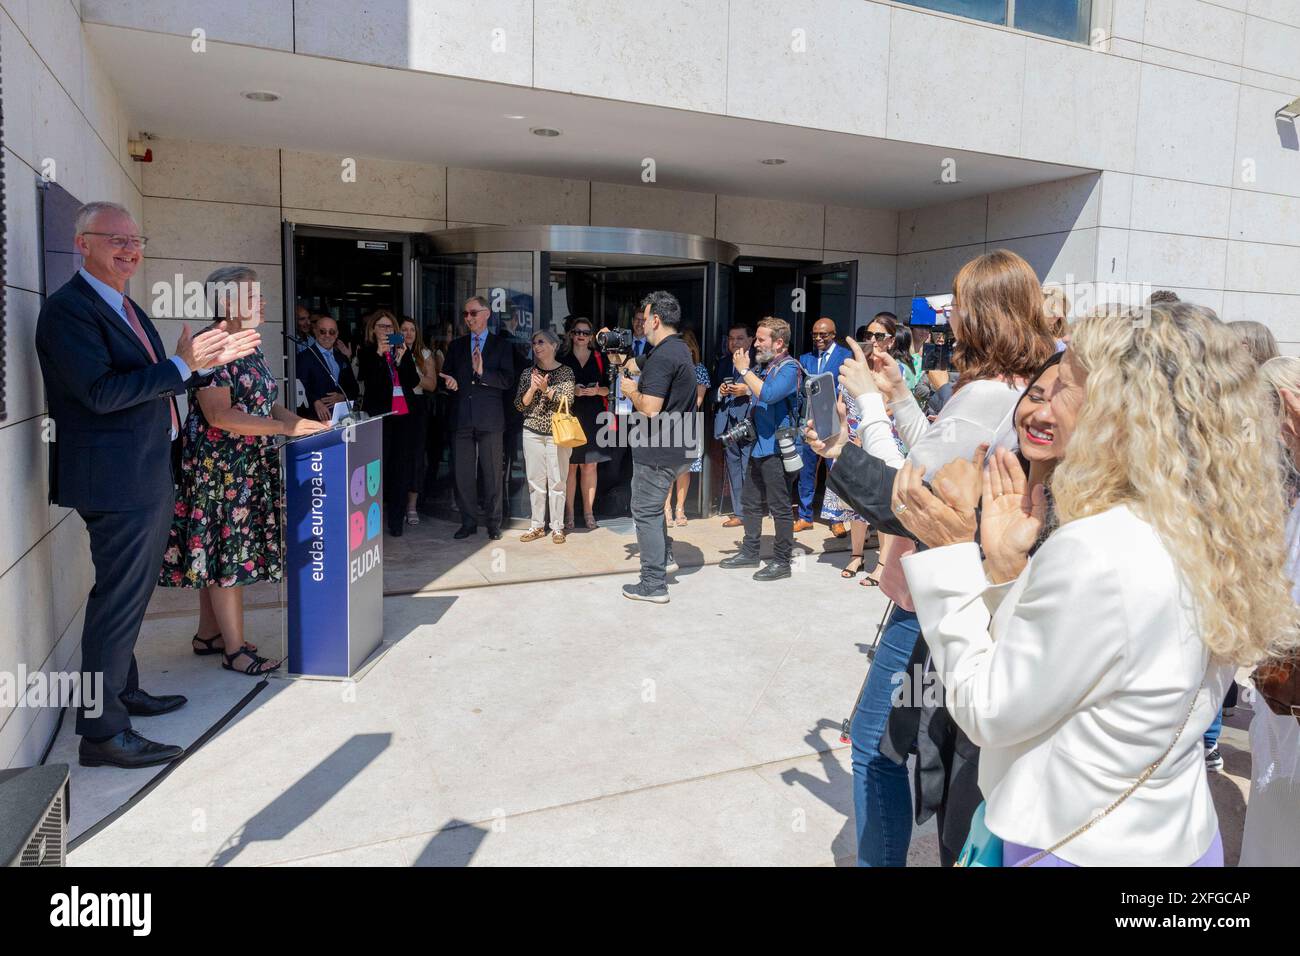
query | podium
[334, 548]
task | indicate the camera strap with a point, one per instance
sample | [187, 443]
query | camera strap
[796, 397]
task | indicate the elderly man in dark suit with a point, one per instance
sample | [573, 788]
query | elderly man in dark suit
[111, 391]
[478, 372]
[324, 371]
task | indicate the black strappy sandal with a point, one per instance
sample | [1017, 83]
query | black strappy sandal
[846, 573]
[257, 666]
[208, 645]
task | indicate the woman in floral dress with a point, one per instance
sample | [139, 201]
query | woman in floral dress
[226, 528]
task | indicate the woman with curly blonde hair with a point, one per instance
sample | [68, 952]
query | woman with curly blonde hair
[1088, 674]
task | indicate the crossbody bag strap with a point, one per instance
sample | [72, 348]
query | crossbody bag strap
[1142, 778]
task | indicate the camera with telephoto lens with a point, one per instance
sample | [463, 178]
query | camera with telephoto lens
[787, 447]
[741, 433]
[618, 341]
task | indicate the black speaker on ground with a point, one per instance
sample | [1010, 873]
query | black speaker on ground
[34, 815]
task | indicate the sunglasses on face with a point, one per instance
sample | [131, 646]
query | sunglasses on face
[578, 332]
[878, 336]
[823, 335]
[468, 312]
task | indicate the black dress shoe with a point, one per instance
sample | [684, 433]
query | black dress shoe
[464, 531]
[494, 534]
[738, 561]
[127, 750]
[774, 571]
[140, 704]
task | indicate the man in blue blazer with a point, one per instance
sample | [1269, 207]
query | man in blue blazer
[731, 408]
[111, 391]
[827, 356]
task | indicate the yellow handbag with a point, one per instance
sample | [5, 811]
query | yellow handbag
[565, 427]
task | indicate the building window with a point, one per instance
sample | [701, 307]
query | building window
[1063, 19]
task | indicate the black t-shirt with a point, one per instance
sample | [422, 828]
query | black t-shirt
[673, 436]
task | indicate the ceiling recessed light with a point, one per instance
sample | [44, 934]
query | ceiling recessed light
[772, 162]
[544, 131]
[261, 96]
[515, 116]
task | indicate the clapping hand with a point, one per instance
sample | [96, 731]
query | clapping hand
[831, 446]
[202, 351]
[933, 520]
[449, 382]
[960, 482]
[1011, 517]
[538, 381]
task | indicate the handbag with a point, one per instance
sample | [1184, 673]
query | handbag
[983, 847]
[565, 427]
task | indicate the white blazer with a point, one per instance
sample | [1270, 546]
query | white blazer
[1073, 679]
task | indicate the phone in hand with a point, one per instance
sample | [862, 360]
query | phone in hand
[396, 339]
[820, 393]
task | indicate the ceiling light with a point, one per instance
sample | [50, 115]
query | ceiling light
[772, 162]
[261, 96]
[544, 131]
[515, 116]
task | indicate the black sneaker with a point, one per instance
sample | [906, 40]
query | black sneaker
[639, 592]
[775, 570]
[1214, 761]
[740, 560]
[671, 567]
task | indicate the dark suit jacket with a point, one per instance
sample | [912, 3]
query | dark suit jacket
[315, 376]
[379, 380]
[480, 401]
[730, 410]
[110, 403]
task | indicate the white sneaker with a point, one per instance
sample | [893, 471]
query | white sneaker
[412, 517]
[671, 567]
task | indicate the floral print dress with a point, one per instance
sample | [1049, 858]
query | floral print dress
[226, 526]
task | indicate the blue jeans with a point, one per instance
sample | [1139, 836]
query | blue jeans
[1211, 737]
[882, 797]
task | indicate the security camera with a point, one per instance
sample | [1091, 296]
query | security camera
[1291, 111]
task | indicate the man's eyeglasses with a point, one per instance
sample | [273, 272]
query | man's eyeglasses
[823, 335]
[468, 312]
[119, 241]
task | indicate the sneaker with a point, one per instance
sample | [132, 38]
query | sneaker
[1214, 761]
[639, 592]
[671, 566]
[412, 517]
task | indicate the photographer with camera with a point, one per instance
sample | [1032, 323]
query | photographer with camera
[774, 460]
[663, 431]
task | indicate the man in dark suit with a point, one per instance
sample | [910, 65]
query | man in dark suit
[826, 356]
[324, 371]
[732, 407]
[479, 372]
[111, 391]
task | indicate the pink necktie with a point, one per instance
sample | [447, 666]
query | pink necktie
[144, 340]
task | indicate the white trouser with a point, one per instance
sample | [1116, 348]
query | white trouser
[547, 467]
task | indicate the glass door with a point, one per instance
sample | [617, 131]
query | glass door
[829, 291]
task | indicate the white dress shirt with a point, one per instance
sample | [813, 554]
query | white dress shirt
[1072, 680]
